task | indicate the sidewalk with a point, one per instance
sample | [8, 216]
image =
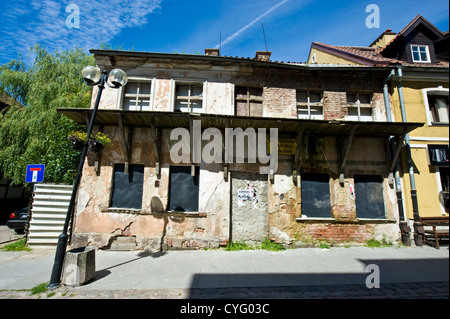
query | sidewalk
[405, 272]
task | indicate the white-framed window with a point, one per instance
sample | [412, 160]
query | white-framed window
[136, 95]
[443, 182]
[436, 105]
[309, 105]
[420, 53]
[359, 107]
[189, 96]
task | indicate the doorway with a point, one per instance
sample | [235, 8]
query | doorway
[249, 207]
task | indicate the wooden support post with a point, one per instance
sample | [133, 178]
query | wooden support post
[156, 146]
[126, 142]
[398, 149]
[295, 166]
[344, 158]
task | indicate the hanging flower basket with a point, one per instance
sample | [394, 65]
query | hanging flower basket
[96, 142]
[77, 140]
[95, 146]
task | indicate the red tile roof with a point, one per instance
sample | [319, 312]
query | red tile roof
[372, 56]
[369, 55]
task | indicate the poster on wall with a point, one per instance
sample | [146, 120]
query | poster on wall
[248, 194]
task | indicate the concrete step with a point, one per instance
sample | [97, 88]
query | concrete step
[123, 243]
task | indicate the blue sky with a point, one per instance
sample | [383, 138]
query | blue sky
[190, 26]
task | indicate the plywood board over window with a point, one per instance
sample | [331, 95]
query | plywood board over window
[369, 196]
[127, 187]
[183, 189]
[315, 192]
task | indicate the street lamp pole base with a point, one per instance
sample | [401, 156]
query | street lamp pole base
[55, 279]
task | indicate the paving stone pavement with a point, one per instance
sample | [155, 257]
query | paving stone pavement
[428, 290]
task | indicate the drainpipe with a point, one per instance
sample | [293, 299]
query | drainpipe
[403, 224]
[418, 229]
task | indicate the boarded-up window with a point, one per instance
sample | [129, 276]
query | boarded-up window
[128, 187]
[369, 196]
[183, 189]
[316, 195]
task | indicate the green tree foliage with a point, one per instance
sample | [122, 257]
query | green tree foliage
[34, 132]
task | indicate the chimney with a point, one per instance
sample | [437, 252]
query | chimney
[212, 52]
[263, 56]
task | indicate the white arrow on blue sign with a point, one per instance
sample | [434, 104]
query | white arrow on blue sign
[35, 173]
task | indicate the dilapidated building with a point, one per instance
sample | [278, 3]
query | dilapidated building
[168, 179]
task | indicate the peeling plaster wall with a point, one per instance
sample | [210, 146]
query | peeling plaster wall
[98, 225]
[366, 156]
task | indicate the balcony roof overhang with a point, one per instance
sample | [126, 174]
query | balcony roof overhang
[284, 125]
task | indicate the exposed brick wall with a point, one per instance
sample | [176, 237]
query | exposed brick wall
[334, 105]
[338, 233]
[279, 96]
[280, 102]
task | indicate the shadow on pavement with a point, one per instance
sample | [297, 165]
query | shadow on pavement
[390, 272]
[99, 274]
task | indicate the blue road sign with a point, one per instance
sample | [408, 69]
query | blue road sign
[35, 173]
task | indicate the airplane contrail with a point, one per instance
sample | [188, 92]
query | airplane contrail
[237, 33]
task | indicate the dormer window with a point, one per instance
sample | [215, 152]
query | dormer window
[420, 53]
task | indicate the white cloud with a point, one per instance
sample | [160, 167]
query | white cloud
[26, 23]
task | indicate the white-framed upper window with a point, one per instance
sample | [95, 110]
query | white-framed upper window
[309, 105]
[436, 105]
[420, 53]
[136, 95]
[359, 107]
[189, 97]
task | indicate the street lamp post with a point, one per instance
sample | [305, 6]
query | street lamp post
[92, 76]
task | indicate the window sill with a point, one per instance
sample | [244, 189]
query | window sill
[439, 124]
[149, 212]
[346, 220]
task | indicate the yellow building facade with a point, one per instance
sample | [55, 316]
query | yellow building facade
[430, 177]
[416, 90]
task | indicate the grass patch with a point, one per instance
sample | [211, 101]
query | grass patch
[19, 245]
[324, 246]
[39, 288]
[373, 243]
[267, 244]
[238, 245]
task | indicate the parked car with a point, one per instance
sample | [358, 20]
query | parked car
[18, 220]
